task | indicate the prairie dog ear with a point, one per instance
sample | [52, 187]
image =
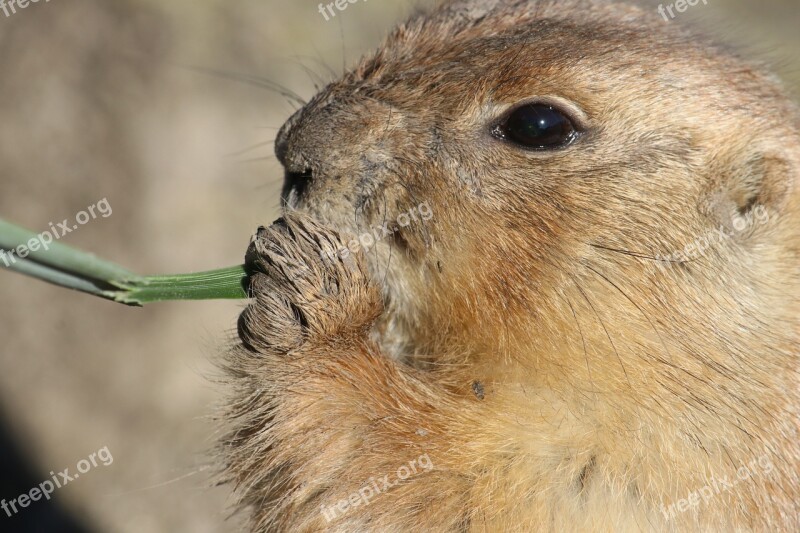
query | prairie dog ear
[762, 180]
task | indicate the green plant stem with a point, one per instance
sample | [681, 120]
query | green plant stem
[223, 283]
[58, 255]
[75, 269]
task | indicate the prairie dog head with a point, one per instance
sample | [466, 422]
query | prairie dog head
[565, 155]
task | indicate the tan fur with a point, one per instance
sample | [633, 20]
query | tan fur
[530, 339]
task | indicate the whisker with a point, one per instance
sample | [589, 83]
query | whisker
[603, 325]
[344, 47]
[583, 340]
[250, 80]
[637, 254]
[321, 63]
[250, 148]
[257, 159]
[660, 338]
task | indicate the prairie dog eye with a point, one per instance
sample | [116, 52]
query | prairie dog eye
[537, 126]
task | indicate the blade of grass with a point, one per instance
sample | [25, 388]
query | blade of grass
[69, 267]
[62, 279]
[223, 283]
[60, 256]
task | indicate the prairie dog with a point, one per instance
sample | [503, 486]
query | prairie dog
[596, 328]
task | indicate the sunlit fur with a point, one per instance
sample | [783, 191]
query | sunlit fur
[537, 338]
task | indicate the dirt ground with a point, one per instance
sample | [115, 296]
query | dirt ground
[143, 103]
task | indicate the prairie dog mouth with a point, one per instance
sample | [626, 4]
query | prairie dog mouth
[384, 242]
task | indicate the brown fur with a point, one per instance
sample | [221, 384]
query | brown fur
[529, 339]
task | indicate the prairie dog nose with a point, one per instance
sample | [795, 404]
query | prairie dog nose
[295, 185]
[337, 145]
[298, 171]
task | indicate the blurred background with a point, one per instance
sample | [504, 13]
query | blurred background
[161, 108]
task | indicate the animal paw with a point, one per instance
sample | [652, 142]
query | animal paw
[304, 290]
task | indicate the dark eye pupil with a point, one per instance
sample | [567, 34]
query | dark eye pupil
[538, 126]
